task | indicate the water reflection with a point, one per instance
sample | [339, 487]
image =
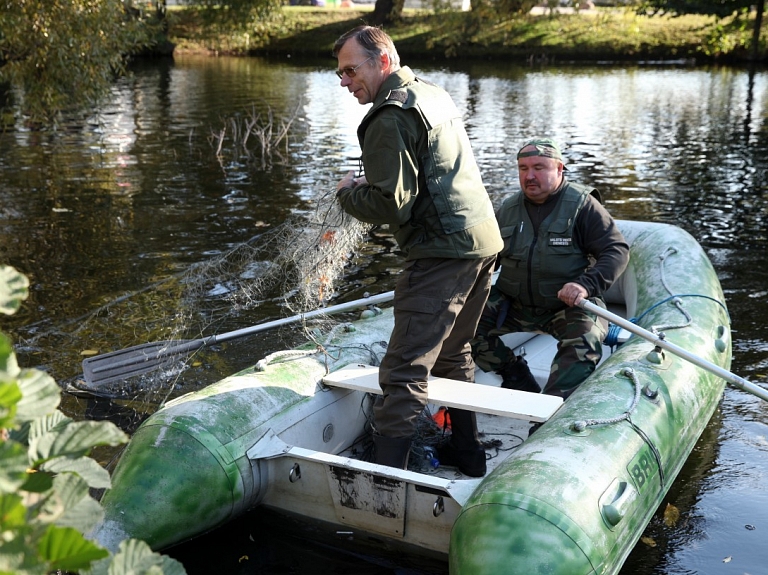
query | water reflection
[104, 216]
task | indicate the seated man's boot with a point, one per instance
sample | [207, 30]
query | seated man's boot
[463, 450]
[518, 376]
[391, 451]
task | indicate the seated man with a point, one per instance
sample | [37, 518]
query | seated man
[560, 245]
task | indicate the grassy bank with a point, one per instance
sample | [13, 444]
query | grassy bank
[602, 34]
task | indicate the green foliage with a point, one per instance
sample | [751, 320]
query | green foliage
[602, 34]
[230, 27]
[62, 55]
[46, 474]
[719, 8]
[723, 39]
[234, 11]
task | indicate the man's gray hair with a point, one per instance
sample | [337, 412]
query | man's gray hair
[373, 40]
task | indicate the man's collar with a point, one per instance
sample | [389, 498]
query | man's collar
[395, 80]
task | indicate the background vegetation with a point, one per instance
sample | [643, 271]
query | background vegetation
[612, 33]
[60, 57]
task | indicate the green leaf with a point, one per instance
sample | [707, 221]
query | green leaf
[40, 395]
[10, 394]
[9, 368]
[172, 567]
[68, 491]
[14, 288]
[94, 474]
[84, 516]
[14, 462]
[75, 440]
[12, 512]
[38, 482]
[67, 549]
[15, 555]
[135, 557]
[71, 504]
[50, 422]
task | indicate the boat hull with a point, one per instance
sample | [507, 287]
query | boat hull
[575, 498]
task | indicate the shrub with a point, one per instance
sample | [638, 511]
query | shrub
[46, 474]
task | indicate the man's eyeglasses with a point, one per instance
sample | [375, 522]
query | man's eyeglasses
[351, 72]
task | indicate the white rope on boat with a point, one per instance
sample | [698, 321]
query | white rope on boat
[676, 301]
[629, 373]
[262, 364]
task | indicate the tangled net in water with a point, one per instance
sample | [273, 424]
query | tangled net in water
[289, 270]
[301, 260]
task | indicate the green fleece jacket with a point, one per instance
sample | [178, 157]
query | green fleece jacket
[422, 178]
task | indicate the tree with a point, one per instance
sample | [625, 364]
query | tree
[62, 55]
[719, 8]
[387, 11]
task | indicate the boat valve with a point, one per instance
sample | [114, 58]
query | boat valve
[657, 355]
[650, 391]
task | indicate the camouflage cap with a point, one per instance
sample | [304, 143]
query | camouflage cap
[544, 147]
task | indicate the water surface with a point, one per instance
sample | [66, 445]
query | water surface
[103, 216]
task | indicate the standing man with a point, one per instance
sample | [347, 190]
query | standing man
[560, 246]
[421, 179]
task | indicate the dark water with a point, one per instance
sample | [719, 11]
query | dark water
[100, 215]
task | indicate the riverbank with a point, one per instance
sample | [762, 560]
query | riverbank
[603, 34]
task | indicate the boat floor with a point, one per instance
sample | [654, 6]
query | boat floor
[498, 434]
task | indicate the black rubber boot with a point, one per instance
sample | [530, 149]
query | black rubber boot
[518, 376]
[391, 451]
[463, 450]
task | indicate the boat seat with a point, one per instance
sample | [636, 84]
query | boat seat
[459, 394]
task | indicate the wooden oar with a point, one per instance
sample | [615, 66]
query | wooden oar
[116, 365]
[731, 378]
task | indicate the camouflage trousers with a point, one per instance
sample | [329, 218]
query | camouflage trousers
[579, 336]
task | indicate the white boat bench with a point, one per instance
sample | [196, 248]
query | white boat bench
[459, 394]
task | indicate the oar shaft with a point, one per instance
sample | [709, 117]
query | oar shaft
[146, 357]
[732, 378]
[370, 300]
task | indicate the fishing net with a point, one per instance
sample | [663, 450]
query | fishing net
[289, 270]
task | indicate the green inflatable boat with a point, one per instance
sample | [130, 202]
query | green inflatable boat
[290, 434]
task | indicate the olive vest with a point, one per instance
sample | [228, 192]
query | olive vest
[535, 267]
[447, 166]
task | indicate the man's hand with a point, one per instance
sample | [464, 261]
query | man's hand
[572, 293]
[350, 181]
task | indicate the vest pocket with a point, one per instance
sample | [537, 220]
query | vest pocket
[549, 289]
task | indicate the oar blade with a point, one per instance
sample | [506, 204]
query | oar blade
[133, 361]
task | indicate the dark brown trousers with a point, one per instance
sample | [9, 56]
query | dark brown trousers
[437, 306]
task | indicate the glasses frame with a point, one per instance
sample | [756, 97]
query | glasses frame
[351, 72]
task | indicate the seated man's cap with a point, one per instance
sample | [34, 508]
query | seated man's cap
[544, 147]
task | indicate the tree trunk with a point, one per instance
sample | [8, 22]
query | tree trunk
[161, 14]
[387, 11]
[756, 34]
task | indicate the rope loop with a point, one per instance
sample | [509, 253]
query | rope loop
[629, 373]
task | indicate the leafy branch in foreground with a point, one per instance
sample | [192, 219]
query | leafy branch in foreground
[46, 474]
